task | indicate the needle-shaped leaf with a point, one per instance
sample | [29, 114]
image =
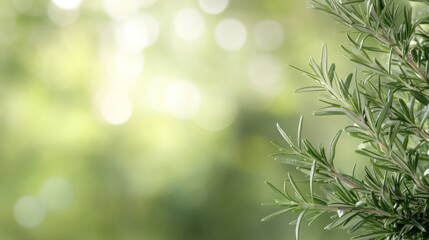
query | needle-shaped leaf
[313, 169]
[276, 190]
[284, 135]
[295, 188]
[298, 223]
[278, 213]
[342, 220]
[299, 131]
[324, 63]
[332, 147]
[384, 112]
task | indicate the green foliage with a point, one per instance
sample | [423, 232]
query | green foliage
[387, 103]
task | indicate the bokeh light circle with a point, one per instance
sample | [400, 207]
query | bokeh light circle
[213, 6]
[217, 112]
[121, 9]
[29, 211]
[67, 4]
[127, 65]
[137, 33]
[264, 72]
[62, 17]
[230, 34]
[152, 26]
[179, 98]
[56, 193]
[268, 35]
[116, 108]
[123, 69]
[182, 99]
[189, 24]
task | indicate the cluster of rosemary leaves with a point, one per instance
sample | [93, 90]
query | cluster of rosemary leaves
[387, 103]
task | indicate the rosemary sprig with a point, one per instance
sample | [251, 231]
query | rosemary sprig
[387, 102]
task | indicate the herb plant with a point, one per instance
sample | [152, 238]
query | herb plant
[386, 98]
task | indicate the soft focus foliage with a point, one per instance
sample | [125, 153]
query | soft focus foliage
[151, 119]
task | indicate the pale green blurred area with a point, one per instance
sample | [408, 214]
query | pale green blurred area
[129, 120]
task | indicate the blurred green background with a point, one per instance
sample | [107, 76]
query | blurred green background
[152, 119]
